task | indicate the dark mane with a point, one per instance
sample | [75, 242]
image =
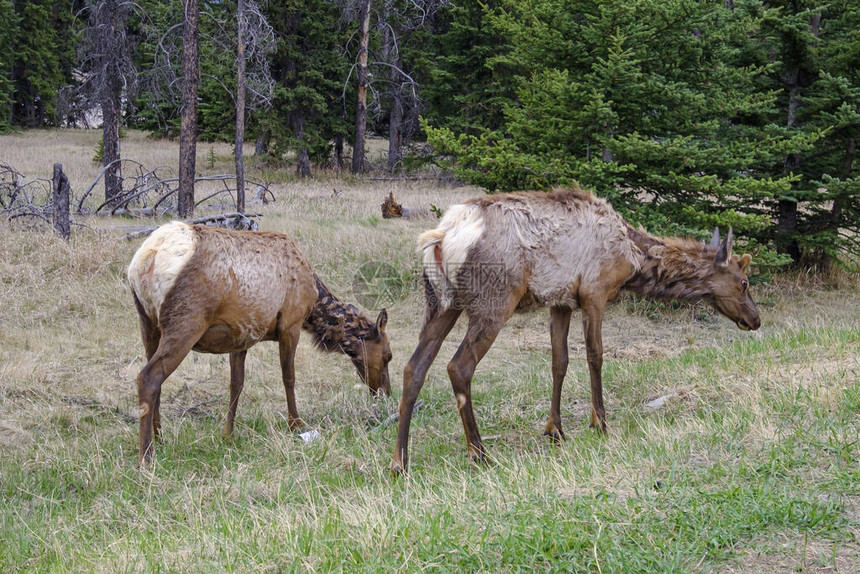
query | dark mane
[337, 326]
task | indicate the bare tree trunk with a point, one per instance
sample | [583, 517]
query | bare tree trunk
[261, 146]
[338, 152]
[395, 92]
[787, 209]
[303, 162]
[61, 202]
[395, 128]
[240, 107]
[110, 96]
[361, 108]
[188, 122]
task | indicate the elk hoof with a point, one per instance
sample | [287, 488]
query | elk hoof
[397, 469]
[556, 436]
[601, 428]
[296, 424]
[478, 456]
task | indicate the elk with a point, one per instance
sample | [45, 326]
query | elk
[565, 249]
[222, 291]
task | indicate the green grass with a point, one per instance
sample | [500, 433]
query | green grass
[752, 464]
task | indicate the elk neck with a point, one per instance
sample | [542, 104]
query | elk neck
[335, 325]
[671, 268]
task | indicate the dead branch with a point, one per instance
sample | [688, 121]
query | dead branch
[26, 200]
[235, 220]
[150, 188]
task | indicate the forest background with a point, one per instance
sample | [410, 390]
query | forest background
[686, 115]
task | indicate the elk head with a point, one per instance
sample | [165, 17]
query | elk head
[730, 284]
[373, 357]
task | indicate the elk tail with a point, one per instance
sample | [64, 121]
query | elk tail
[446, 248]
[435, 279]
[144, 317]
[432, 306]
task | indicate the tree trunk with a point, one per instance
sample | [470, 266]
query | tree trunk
[188, 122]
[261, 146]
[787, 210]
[110, 97]
[303, 162]
[338, 152]
[240, 107]
[61, 195]
[395, 128]
[395, 92]
[361, 107]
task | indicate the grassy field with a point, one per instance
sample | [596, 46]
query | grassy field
[751, 465]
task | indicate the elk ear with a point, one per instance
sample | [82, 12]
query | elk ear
[381, 322]
[725, 251]
[656, 251]
[715, 238]
[745, 261]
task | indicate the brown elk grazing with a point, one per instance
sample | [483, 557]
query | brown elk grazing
[221, 291]
[566, 249]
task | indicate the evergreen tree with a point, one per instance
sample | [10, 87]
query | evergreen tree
[155, 106]
[813, 51]
[8, 39]
[44, 58]
[157, 36]
[462, 89]
[670, 109]
[308, 109]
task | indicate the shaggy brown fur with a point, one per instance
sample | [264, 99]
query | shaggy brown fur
[564, 250]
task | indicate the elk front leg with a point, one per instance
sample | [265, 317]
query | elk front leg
[558, 328]
[287, 343]
[237, 382]
[592, 324]
[414, 374]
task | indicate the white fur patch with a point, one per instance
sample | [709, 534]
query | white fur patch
[461, 227]
[157, 263]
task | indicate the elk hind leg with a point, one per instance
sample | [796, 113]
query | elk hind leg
[433, 333]
[149, 382]
[237, 382]
[480, 335]
[150, 334]
[172, 349]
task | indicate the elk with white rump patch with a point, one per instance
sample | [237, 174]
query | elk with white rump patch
[564, 250]
[222, 291]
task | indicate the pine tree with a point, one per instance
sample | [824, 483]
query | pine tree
[8, 39]
[308, 110]
[658, 106]
[43, 59]
[463, 89]
[813, 51]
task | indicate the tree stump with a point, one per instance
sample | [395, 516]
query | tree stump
[390, 207]
[61, 195]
